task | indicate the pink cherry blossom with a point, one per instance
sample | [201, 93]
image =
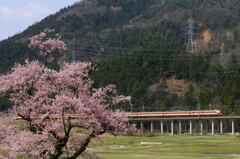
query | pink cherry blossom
[46, 46]
[53, 104]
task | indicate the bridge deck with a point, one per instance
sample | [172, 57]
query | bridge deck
[185, 118]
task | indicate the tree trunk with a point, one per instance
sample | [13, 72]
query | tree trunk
[83, 146]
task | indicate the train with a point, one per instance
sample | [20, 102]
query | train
[200, 113]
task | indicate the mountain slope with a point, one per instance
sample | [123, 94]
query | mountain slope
[140, 46]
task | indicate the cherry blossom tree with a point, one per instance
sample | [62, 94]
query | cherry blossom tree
[49, 48]
[54, 105]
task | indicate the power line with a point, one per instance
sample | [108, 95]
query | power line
[119, 49]
[159, 75]
[157, 57]
[132, 49]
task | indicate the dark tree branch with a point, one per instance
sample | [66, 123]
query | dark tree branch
[61, 142]
[83, 146]
[32, 126]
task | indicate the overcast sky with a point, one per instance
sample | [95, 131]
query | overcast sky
[17, 15]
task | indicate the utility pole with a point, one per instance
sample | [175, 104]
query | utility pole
[190, 42]
[222, 55]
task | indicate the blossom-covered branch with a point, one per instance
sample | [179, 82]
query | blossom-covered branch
[46, 46]
[39, 94]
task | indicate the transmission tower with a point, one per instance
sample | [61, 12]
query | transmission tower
[190, 43]
[222, 55]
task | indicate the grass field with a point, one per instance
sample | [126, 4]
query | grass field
[169, 147]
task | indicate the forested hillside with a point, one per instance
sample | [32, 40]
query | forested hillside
[140, 45]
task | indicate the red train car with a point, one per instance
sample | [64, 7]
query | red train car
[202, 113]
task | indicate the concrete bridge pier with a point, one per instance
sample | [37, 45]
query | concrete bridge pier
[162, 131]
[233, 127]
[172, 128]
[142, 126]
[201, 127]
[180, 127]
[213, 127]
[221, 127]
[190, 127]
[152, 127]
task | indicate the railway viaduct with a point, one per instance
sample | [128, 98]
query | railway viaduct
[189, 125]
